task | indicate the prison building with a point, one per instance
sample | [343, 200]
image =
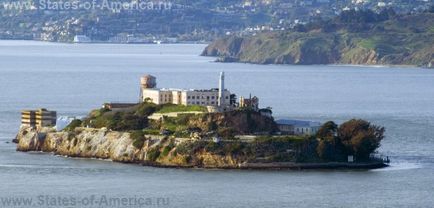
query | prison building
[219, 97]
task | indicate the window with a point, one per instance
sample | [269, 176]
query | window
[212, 102]
[198, 102]
[188, 97]
[227, 97]
[212, 97]
[207, 97]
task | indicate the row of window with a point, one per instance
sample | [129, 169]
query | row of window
[303, 130]
[203, 97]
[201, 103]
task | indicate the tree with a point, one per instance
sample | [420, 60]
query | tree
[327, 130]
[330, 147]
[360, 137]
[326, 149]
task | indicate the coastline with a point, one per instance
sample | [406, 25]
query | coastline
[109, 43]
[118, 147]
[288, 166]
[251, 166]
[217, 60]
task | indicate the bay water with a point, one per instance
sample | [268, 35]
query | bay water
[75, 78]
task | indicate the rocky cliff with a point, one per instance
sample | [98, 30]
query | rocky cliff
[162, 151]
[120, 147]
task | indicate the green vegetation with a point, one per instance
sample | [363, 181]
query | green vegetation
[138, 139]
[74, 124]
[332, 142]
[354, 137]
[135, 119]
[354, 37]
[153, 154]
[169, 108]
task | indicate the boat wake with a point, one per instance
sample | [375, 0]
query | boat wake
[400, 166]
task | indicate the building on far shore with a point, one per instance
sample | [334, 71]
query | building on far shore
[298, 127]
[38, 118]
[216, 98]
[81, 39]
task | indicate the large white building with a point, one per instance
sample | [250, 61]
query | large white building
[217, 97]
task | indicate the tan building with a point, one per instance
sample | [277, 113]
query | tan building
[218, 97]
[185, 97]
[40, 118]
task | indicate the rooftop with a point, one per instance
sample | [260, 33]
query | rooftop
[185, 90]
[298, 123]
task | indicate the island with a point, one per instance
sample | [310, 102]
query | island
[361, 37]
[202, 129]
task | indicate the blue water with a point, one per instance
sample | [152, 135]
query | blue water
[73, 79]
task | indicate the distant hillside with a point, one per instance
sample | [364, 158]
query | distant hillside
[128, 21]
[352, 38]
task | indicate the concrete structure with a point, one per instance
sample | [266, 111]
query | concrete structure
[117, 106]
[148, 81]
[159, 116]
[217, 97]
[251, 102]
[298, 127]
[38, 118]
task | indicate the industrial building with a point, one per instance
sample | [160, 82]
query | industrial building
[38, 118]
[219, 98]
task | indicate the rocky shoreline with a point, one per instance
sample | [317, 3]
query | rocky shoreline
[118, 147]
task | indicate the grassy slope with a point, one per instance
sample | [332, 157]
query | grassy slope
[181, 108]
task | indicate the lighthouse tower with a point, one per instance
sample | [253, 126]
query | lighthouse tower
[221, 89]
